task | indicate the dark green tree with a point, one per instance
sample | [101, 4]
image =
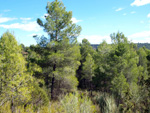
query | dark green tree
[60, 29]
[86, 70]
[58, 22]
[103, 75]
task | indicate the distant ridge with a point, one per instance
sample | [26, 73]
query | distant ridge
[139, 45]
[147, 45]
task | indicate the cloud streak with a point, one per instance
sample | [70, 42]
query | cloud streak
[74, 20]
[140, 2]
[119, 9]
[133, 12]
[141, 35]
[25, 19]
[148, 15]
[6, 19]
[30, 26]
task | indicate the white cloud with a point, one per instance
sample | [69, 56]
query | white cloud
[148, 15]
[140, 2]
[30, 26]
[141, 34]
[74, 20]
[133, 12]
[119, 9]
[140, 40]
[144, 34]
[25, 19]
[95, 39]
[6, 19]
[142, 37]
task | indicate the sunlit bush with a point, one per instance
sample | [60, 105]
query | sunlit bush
[106, 103]
[75, 103]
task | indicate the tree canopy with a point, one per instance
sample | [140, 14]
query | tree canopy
[59, 74]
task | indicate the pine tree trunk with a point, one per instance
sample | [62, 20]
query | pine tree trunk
[46, 81]
[12, 107]
[53, 80]
[1, 88]
[91, 87]
[54, 68]
[52, 87]
[84, 84]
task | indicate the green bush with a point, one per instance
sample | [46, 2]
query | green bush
[39, 97]
[70, 103]
[106, 103]
[75, 103]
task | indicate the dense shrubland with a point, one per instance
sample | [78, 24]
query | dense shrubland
[59, 75]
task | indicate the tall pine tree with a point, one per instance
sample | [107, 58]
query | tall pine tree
[60, 28]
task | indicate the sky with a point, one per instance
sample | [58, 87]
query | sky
[98, 19]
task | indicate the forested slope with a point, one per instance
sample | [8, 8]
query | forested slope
[139, 45]
[61, 75]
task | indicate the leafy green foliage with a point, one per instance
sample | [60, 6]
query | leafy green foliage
[63, 51]
[88, 68]
[121, 70]
[39, 97]
[67, 61]
[85, 71]
[57, 65]
[74, 103]
[14, 79]
[58, 22]
[106, 103]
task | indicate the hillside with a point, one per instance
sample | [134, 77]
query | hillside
[139, 45]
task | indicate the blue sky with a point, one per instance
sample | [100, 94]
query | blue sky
[98, 18]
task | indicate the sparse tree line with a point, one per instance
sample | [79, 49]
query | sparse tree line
[139, 45]
[60, 75]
